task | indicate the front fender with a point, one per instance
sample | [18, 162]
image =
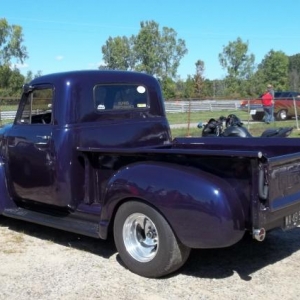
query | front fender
[5, 199]
[203, 209]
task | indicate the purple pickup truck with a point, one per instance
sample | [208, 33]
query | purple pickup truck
[91, 152]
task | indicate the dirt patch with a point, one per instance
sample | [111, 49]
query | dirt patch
[43, 263]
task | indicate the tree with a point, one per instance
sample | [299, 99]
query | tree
[235, 59]
[30, 76]
[11, 43]
[117, 53]
[208, 89]
[294, 80]
[189, 87]
[199, 77]
[158, 53]
[294, 62]
[168, 88]
[170, 53]
[294, 72]
[274, 70]
[152, 51]
[239, 65]
[11, 81]
[147, 47]
[11, 50]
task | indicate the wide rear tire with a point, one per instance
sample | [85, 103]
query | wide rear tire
[146, 242]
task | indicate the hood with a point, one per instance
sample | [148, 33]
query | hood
[4, 129]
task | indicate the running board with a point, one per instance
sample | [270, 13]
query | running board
[67, 223]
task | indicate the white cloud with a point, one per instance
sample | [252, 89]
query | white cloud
[20, 66]
[94, 65]
[59, 57]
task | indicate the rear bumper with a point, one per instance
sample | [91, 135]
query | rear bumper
[282, 204]
[287, 218]
[257, 108]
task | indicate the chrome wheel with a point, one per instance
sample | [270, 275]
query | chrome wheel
[282, 115]
[140, 237]
[145, 241]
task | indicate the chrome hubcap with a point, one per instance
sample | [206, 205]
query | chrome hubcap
[140, 237]
[283, 115]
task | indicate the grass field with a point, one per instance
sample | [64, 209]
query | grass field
[255, 128]
[203, 116]
[195, 117]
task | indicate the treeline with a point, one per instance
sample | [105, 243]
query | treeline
[11, 81]
[158, 52]
[9, 101]
[12, 52]
[244, 78]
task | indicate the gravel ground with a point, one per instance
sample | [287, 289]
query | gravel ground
[43, 263]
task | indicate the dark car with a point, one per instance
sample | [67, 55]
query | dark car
[284, 107]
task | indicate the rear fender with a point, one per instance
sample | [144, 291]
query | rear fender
[203, 209]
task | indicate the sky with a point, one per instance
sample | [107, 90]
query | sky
[64, 35]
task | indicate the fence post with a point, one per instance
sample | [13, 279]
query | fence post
[248, 124]
[189, 118]
[296, 114]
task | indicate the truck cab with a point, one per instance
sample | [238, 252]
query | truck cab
[59, 113]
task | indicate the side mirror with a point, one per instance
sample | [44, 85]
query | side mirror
[27, 88]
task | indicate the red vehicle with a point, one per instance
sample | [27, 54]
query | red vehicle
[284, 107]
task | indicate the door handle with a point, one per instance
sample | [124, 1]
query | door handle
[41, 146]
[44, 137]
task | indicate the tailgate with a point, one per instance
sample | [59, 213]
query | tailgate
[279, 184]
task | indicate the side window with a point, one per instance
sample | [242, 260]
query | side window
[37, 107]
[120, 97]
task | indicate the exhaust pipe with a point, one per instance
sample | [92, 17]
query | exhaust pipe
[259, 234]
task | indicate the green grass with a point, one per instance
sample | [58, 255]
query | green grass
[203, 116]
[255, 129]
[8, 107]
[4, 122]
[195, 117]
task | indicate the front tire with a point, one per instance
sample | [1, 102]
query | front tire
[146, 242]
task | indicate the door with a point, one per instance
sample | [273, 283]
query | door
[30, 148]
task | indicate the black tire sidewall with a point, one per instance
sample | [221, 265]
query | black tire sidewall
[168, 258]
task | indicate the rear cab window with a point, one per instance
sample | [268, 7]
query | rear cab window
[120, 97]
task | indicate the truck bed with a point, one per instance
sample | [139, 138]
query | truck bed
[264, 171]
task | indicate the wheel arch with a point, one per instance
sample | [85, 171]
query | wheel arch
[213, 219]
[107, 229]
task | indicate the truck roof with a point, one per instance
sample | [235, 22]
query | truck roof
[97, 75]
[77, 90]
